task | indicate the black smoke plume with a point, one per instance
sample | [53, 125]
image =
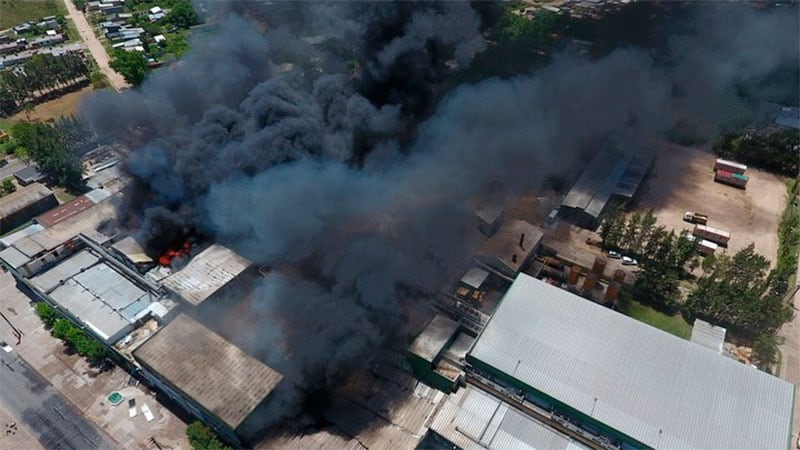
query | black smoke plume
[306, 137]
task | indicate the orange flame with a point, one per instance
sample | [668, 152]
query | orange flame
[170, 255]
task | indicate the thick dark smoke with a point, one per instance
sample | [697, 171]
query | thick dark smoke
[314, 147]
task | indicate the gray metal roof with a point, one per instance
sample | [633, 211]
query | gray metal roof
[209, 369]
[661, 390]
[708, 335]
[14, 257]
[206, 273]
[92, 311]
[788, 117]
[64, 270]
[475, 277]
[608, 173]
[9, 239]
[475, 420]
[434, 337]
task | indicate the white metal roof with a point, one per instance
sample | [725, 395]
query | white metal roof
[661, 390]
[707, 335]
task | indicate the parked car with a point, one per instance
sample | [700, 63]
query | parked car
[628, 261]
[615, 255]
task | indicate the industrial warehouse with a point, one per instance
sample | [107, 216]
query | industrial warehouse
[141, 319]
[615, 382]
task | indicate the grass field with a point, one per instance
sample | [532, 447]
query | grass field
[643, 313]
[14, 12]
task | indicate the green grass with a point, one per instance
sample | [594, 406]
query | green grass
[14, 12]
[671, 324]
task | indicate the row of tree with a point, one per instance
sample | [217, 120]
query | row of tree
[41, 76]
[777, 152]
[75, 337]
[51, 146]
[663, 256]
[737, 292]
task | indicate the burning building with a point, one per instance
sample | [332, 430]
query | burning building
[205, 275]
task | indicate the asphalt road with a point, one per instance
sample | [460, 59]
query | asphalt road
[56, 423]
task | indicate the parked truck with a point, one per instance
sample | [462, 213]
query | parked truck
[729, 166]
[712, 234]
[693, 217]
[731, 178]
[704, 246]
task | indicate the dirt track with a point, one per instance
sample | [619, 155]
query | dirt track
[682, 179]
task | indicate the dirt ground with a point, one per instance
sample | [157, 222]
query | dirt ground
[66, 105]
[682, 179]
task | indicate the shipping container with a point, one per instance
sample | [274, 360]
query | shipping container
[730, 166]
[731, 178]
[712, 234]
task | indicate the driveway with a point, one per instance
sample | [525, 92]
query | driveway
[95, 47]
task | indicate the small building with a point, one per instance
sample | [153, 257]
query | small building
[489, 218]
[64, 211]
[132, 254]
[24, 204]
[156, 10]
[511, 248]
[28, 175]
[9, 240]
[208, 376]
[426, 350]
[609, 174]
[708, 335]
[208, 272]
[159, 38]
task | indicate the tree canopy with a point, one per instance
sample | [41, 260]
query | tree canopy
[131, 65]
[735, 293]
[777, 152]
[46, 144]
[183, 15]
[202, 438]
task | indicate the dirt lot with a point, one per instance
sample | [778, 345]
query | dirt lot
[682, 180]
[66, 105]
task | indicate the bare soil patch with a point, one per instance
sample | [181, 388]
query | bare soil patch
[682, 179]
[66, 105]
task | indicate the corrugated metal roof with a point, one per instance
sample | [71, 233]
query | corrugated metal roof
[206, 273]
[708, 335]
[64, 270]
[659, 389]
[433, 338]
[104, 320]
[209, 369]
[475, 420]
[65, 211]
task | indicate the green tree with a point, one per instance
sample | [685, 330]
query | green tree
[61, 328]
[202, 438]
[765, 349]
[734, 293]
[46, 144]
[182, 15]
[131, 65]
[48, 315]
[631, 233]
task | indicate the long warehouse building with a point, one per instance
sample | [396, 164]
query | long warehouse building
[633, 384]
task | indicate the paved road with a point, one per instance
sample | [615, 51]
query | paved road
[56, 423]
[95, 47]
